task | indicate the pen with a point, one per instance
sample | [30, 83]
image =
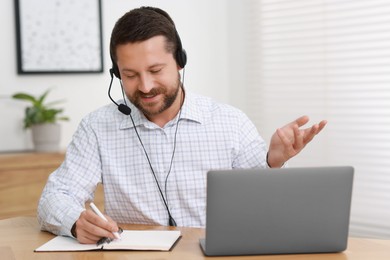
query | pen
[97, 211]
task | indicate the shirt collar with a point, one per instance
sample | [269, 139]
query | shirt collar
[189, 111]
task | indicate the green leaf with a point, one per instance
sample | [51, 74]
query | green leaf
[24, 96]
[42, 98]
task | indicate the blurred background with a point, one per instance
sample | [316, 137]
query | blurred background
[274, 59]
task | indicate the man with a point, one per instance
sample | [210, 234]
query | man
[153, 157]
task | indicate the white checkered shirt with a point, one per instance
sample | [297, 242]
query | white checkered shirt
[105, 149]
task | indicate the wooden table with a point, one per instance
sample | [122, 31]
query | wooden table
[19, 237]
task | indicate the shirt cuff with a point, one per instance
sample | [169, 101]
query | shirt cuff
[269, 167]
[70, 218]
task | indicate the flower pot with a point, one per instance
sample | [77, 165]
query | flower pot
[46, 137]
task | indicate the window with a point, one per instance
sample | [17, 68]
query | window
[329, 59]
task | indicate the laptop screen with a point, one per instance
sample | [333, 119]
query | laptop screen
[278, 211]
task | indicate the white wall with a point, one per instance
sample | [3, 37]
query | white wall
[202, 26]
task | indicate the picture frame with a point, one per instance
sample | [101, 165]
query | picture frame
[55, 36]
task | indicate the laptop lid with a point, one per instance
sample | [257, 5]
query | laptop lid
[278, 211]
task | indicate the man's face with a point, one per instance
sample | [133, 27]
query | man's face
[150, 76]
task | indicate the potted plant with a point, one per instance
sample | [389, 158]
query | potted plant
[42, 118]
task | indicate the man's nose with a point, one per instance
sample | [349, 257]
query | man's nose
[146, 83]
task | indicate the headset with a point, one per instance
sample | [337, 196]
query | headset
[180, 56]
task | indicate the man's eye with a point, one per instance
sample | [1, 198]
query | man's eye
[155, 71]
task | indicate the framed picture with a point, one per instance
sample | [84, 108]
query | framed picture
[57, 36]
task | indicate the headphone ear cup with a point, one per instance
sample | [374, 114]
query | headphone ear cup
[181, 58]
[115, 71]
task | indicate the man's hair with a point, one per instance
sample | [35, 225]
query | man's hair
[142, 24]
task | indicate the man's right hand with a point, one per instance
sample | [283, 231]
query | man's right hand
[89, 228]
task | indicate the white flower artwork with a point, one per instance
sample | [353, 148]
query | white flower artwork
[56, 36]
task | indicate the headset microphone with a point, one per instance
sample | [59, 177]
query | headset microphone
[121, 107]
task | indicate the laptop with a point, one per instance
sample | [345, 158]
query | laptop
[278, 211]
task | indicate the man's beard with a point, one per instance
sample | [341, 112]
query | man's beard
[168, 99]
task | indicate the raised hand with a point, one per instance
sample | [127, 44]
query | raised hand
[289, 140]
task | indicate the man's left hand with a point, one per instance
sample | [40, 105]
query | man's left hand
[289, 140]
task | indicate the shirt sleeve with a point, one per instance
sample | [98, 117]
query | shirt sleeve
[252, 150]
[72, 184]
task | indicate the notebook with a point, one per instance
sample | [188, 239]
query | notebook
[159, 240]
[278, 211]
